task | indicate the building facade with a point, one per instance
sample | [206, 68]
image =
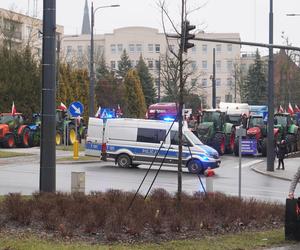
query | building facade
[18, 30]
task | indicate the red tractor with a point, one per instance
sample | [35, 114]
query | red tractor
[13, 132]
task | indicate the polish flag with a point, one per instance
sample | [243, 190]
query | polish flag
[280, 109]
[119, 112]
[13, 109]
[62, 107]
[290, 109]
[98, 112]
[297, 108]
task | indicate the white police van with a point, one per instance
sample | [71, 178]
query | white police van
[132, 142]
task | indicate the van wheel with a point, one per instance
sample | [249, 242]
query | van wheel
[195, 166]
[124, 161]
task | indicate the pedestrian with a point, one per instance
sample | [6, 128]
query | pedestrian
[294, 182]
[281, 152]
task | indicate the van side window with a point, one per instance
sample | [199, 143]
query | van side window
[150, 135]
[175, 139]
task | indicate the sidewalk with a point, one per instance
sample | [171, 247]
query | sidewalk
[291, 166]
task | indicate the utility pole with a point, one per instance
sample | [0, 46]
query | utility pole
[158, 87]
[92, 74]
[270, 139]
[48, 154]
[214, 105]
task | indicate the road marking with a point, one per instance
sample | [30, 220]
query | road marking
[248, 164]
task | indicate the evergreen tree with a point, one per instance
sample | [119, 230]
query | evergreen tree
[146, 81]
[134, 97]
[254, 90]
[124, 65]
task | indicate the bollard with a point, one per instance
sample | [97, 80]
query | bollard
[209, 185]
[77, 182]
[75, 150]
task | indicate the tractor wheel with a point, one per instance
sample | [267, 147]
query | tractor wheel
[290, 142]
[9, 141]
[58, 138]
[230, 146]
[25, 138]
[218, 143]
[236, 147]
[195, 167]
[71, 134]
[264, 147]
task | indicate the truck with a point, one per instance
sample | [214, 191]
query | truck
[131, 142]
[214, 131]
[13, 131]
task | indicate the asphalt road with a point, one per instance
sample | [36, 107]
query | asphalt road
[21, 174]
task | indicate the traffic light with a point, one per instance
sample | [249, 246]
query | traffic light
[187, 36]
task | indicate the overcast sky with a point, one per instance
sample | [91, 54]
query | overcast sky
[247, 17]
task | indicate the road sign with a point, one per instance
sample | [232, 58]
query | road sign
[75, 109]
[249, 146]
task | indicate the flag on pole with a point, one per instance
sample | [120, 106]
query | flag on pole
[290, 109]
[119, 112]
[13, 109]
[280, 109]
[297, 110]
[62, 107]
[98, 112]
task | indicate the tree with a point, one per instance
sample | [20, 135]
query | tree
[134, 97]
[124, 65]
[146, 81]
[254, 90]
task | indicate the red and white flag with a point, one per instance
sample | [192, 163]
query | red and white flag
[13, 109]
[98, 112]
[280, 109]
[290, 109]
[62, 107]
[297, 110]
[119, 112]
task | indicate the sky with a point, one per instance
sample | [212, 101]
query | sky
[250, 18]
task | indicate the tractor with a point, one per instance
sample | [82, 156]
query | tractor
[288, 131]
[256, 129]
[13, 131]
[215, 132]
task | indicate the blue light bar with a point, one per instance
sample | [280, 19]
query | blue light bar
[168, 119]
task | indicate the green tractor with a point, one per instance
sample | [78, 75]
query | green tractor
[13, 131]
[66, 128]
[215, 132]
[288, 131]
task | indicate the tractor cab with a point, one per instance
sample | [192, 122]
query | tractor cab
[215, 117]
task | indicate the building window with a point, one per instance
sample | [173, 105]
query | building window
[157, 64]
[194, 65]
[131, 48]
[218, 65]
[69, 53]
[79, 52]
[218, 82]
[229, 65]
[229, 81]
[139, 48]
[218, 48]
[113, 48]
[228, 98]
[100, 49]
[194, 49]
[150, 64]
[120, 48]
[204, 64]
[113, 64]
[229, 47]
[218, 100]
[204, 48]
[157, 48]
[150, 48]
[204, 82]
[204, 101]
[132, 63]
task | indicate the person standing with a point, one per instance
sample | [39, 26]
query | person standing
[293, 185]
[281, 152]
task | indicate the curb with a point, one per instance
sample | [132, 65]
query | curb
[269, 174]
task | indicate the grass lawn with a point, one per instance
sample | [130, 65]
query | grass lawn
[70, 147]
[6, 154]
[243, 241]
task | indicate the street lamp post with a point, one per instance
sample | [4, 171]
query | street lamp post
[92, 65]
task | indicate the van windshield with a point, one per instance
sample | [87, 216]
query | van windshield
[192, 137]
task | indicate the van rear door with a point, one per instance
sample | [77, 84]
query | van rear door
[94, 137]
